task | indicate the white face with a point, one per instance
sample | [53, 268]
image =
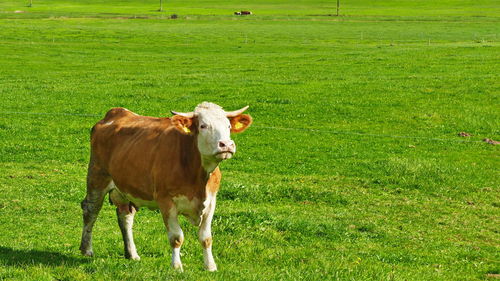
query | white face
[214, 139]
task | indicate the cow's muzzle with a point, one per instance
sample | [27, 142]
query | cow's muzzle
[223, 155]
[226, 149]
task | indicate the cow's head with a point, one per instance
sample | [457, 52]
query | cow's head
[212, 127]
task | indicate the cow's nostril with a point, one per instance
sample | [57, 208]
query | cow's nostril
[222, 144]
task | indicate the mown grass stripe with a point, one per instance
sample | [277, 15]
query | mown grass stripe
[268, 127]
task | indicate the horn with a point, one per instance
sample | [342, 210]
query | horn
[185, 114]
[236, 112]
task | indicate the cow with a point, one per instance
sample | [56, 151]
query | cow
[242, 13]
[170, 164]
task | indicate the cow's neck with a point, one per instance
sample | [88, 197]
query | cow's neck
[205, 165]
[209, 164]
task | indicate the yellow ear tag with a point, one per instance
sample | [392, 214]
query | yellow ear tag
[186, 130]
[238, 125]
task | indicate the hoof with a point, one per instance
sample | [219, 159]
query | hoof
[211, 267]
[177, 267]
[87, 253]
[134, 258]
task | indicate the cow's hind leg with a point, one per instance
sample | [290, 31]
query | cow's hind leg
[125, 212]
[97, 188]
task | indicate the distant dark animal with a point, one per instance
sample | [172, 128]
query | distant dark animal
[242, 13]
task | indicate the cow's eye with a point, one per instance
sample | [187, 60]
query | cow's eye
[203, 126]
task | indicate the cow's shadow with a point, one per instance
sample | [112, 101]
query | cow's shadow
[20, 257]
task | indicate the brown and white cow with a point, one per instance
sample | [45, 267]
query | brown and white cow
[166, 163]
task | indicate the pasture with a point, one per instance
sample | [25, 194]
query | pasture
[352, 170]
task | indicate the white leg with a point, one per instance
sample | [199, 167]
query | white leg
[205, 235]
[176, 259]
[125, 214]
[176, 238]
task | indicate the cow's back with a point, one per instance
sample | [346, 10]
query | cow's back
[121, 129]
[146, 156]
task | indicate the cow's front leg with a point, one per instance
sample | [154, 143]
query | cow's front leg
[205, 234]
[175, 234]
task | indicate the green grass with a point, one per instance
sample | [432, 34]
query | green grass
[353, 169]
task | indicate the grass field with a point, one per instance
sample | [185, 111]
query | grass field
[353, 169]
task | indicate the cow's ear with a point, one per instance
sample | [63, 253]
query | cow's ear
[185, 125]
[240, 123]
